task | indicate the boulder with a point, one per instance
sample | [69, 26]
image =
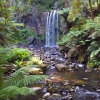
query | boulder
[54, 97]
[35, 71]
[79, 82]
[46, 95]
[36, 88]
[61, 67]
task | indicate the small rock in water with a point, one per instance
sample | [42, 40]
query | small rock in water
[77, 88]
[86, 79]
[79, 82]
[46, 95]
[66, 97]
[61, 67]
[88, 70]
[44, 90]
[54, 97]
[66, 82]
[98, 90]
[80, 65]
[35, 71]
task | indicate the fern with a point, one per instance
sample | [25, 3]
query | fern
[13, 91]
[15, 77]
[32, 79]
[16, 84]
[94, 53]
[21, 78]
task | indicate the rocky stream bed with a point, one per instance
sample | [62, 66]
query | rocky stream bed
[68, 79]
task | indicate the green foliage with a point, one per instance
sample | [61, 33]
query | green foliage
[64, 11]
[18, 54]
[16, 84]
[83, 44]
[22, 78]
[3, 55]
[36, 61]
[24, 34]
[41, 37]
[75, 6]
[14, 91]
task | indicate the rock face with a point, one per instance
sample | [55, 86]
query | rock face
[35, 22]
[31, 21]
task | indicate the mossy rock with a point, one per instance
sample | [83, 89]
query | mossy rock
[79, 82]
[68, 88]
[6, 69]
[52, 90]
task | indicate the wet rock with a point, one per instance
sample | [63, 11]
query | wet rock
[60, 60]
[72, 67]
[64, 93]
[54, 97]
[46, 95]
[35, 71]
[49, 82]
[88, 70]
[36, 88]
[56, 79]
[77, 88]
[86, 79]
[44, 90]
[68, 88]
[80, 65]
[99, 69]
[52, 89]
[98, 90]
[68, 62]
[66, 82]
[68, 97]
[79, 82]
[30, 46]
[61, 67]
[6, 69]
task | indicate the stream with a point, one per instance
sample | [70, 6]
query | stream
[68, 79]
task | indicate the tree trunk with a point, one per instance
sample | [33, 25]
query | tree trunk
[91, 10]
[97, 3]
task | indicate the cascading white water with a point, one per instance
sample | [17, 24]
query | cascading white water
[52, 29]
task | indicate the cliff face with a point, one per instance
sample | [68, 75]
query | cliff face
[36, 23]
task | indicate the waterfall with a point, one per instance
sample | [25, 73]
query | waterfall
[52, 29]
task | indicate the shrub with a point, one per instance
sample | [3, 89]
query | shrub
[18, 54]
[36, 61]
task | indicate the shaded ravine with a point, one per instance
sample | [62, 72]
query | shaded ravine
[65, 83]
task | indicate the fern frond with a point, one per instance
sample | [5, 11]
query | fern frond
[32, 79]
[15, 77]
[13, 91]
[21, 78]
